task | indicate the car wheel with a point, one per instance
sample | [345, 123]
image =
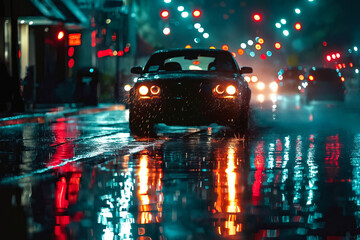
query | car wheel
[140, 123]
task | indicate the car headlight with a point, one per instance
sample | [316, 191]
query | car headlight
[143, 90]
[231, 90]
[219, 89]
[274, 86]
[155, 90]
[261, 98]
[260, 85]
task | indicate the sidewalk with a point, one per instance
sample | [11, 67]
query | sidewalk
[51, 114]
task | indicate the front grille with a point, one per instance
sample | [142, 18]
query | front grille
[186, 89]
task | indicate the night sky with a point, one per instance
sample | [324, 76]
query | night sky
[230, 22]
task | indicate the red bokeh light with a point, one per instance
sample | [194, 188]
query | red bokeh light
[196, 13]
[165, 14]
[277, 45]
[71, 51]
[257, 17]
[60, 35]
[71, 63]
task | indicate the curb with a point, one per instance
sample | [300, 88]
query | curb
[52, 116]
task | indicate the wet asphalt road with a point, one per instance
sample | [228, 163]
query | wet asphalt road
[295, 176]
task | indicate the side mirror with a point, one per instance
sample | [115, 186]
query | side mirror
[246, 70]
[136, 70]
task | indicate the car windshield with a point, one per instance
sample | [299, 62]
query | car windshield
[326, 75]
[191, 61]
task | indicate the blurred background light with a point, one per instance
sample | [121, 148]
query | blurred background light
[257, 17]
[196, 13]
[165, 14]
[225, 47]
[184, 14]
[166, 31]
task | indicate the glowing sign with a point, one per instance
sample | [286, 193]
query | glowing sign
[75, 39]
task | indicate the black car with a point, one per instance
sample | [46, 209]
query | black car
[189, 87]
[289, 80]
[324, 84]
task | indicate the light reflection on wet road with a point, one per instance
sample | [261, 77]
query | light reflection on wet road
[85, 177]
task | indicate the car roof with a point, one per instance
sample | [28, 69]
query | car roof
[321, 69]
[200, 50]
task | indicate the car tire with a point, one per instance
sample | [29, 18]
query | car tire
[140, 123]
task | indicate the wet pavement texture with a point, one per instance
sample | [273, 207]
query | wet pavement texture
[295, 176]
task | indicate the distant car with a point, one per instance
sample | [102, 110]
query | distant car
[189, 87]
[324, 84]
[290, 79]
[262, 91]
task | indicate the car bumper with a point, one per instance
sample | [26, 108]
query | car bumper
[188, 111]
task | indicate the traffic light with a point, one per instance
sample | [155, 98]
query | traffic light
[257, 17]
[165, 14]
[196, 13]
[225, 47]
[298, 26]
